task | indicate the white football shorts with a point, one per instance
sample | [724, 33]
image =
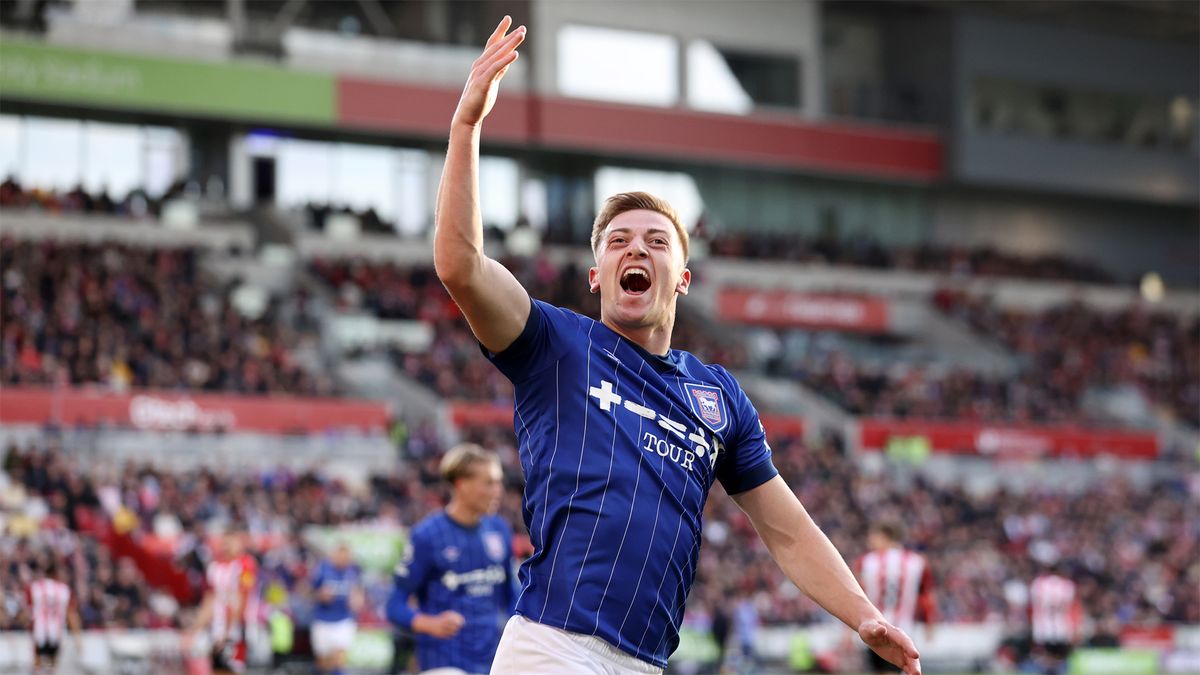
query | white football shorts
[332, 636]
[530, 648]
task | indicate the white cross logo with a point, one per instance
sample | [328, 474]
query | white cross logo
[605, 395]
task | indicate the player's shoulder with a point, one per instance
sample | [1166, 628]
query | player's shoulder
[429, 525]
[711, 373]
[496, 523]
[561, 316]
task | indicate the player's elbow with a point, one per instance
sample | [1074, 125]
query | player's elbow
[457, 270]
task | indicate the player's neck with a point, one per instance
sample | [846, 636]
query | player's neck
[654, 339]
[461, 514]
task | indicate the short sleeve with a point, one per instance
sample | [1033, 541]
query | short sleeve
[746, 461]
[541, 342]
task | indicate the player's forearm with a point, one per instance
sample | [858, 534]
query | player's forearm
[398, 610]
[810, 560]
[458, 238]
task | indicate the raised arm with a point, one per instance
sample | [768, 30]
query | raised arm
[489, 295]
[809, 559]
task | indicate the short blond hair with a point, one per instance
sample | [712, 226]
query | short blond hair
[635, 201]
[459, 460]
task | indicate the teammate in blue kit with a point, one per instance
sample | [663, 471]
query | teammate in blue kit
[620, 436]
[459, 567]
[338, 588]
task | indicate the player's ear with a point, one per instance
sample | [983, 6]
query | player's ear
[594, 280]
[685, 281]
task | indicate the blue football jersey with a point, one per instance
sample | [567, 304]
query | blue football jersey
[619, 449]
[341, 582]
[448, 566]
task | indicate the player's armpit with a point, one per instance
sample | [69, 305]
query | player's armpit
[493, 302]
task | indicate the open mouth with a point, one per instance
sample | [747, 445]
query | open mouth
[635, 281]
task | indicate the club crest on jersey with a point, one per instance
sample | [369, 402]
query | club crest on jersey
[493, 543]
[707, 402]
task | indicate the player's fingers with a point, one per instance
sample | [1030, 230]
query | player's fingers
[905, 643]
[500, 49]
[501, 29]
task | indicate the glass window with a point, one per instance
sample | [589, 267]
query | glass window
[618, 65]
[727, 80]
[710, 83]
[54, 162]
[112, 158]
[499, 191]
[164, 159]
[10, 146]
[304, 173]
[364, 178]
[412, 187]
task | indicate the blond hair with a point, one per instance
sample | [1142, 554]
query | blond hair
[635, 201]
[459, 460]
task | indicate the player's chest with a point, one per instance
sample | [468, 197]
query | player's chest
[631, 409]
[465, 551]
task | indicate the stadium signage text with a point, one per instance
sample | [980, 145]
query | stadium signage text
[803, 310]
[169, 411]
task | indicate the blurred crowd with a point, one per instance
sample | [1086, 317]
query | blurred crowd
[56, 508]
[1134, 553]
[1072, 348]
[317, 214]
[137, 203]
[912, 391]
[124, 316]
[864, 251]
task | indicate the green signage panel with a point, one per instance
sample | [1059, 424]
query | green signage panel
[1114, 661]
[40, 72]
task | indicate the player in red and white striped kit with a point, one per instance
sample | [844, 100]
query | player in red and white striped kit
[230, 583]
[51, 607]
[899, 582]
[1055, 616]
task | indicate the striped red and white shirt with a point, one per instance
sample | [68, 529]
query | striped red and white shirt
[900, 584]
[230, 583]
[1053, 609]
[49, 603]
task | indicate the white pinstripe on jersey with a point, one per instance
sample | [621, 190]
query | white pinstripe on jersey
[674, 544]
[628, 521]
[583, 445]
[612, 454]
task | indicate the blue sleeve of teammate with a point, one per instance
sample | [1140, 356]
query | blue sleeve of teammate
[539, 344]
[746, 462]
[410, 577]
[318, 577]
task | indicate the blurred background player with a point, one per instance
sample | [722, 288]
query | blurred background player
[899, 582]
[338, 587]
[51, 608]
[230, 582]
[1054, 619]
[458, 566]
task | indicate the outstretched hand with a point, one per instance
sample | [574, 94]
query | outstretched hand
[479, 95]
[892, 644]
